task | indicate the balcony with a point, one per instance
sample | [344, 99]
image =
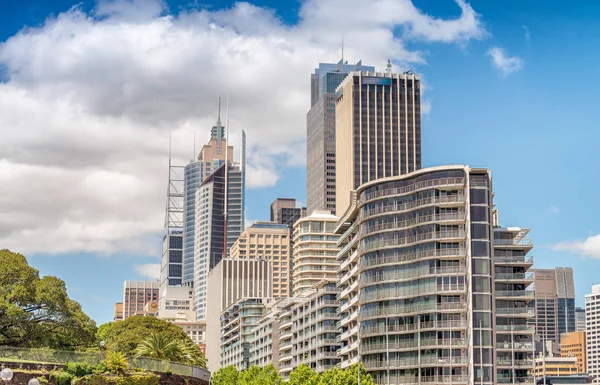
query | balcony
[514, 294]
[515, 311]
[514, 260]
[515, 329]
[517, 380]
[514, 277]
[515, 345]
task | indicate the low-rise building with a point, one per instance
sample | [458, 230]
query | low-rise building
[555, 366]
[573, 345]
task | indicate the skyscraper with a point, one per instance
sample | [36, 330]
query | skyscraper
[592, 333]
[208, 160]
[554, 302]
[320, 129]
[284, 211]
[432, 290]
[378, 129]
[579, 319]
[219, 222]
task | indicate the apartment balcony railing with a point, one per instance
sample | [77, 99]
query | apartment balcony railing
[394, 328]
[515, 345]
[515, 311]
[513, 242]
[513, 259]
[412, 187]
[400, 275]
[410, 257]
[515, 276]
[517, 363]
[458, 216]
[515, 293]
[516, 328]
[396, 242]
[457, 306]
[396, 208]
[516, 380]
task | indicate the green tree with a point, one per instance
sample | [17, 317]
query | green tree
[303, 375]
[269, 376]
[250, 376]
[125, 336]
[37, 312]
[228, 375]
[348, 376]
[192, 354]
[157, 345]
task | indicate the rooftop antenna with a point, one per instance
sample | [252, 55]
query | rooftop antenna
[388, 68]
[342, 49]
[218, 133]
[226, 171]
[194, 157]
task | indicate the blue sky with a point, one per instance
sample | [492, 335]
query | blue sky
[531, 118]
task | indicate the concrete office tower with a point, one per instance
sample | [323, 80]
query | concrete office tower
[118, 312]
[378, 130]
[417, 277]
[579, 319]
[136, 294]
[237, 323]
[573, 345]
[320, 133]
[592, 332]
[315, 251]
[554, 302]
[284, 211]
[207, 161]
[215, 236]
[228, 281]
[270, 241]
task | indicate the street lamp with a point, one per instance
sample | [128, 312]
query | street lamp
[6, 375]
[33, 381]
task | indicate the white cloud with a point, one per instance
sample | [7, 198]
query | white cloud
[590, 247]
[89, 100]
[149, 270]
[527, 33]
[553, 210]
[505, 63]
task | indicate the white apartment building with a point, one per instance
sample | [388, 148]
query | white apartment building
[592, 329]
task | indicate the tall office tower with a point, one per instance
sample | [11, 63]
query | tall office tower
[315, 252]
[136, 294]
[573, 345]
[378, 130]
[284, 211]
[554, 302]
[219, 222]
[417, 277]
[211, 156]
[228, 281]
[270, 241]
[171, 267]
[579, 319]
[592, 333]
[320, 132]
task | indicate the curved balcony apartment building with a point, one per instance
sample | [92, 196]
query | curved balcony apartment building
[417, 279]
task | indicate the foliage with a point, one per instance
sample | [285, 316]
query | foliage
[192, 354]
[37, 312]
[303, 375]
[100, 368]
[116, 363]
[43, 380]
[79, 369]
[228, 375]
[135, 379]
[61, 378]
[260, 376]
[125, 336]
[158, 346]
[348, 376]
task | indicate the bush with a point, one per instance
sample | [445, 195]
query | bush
[42, 380]
[135, 379]
[79, 369]
[61, 378]
[116, 363]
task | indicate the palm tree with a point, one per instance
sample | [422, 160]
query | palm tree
[158, 346]
[192, 354]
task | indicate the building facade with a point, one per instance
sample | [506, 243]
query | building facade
[573, 345]
[136, 295]
[229, 281]
[264, 341]
[219, 222]
[554, 366]
[579, 319]
[417, 278]
[378, 130]
[118, 312]
[315, 251]
[592, 333]
[286, 338]
[270, 241]
[285, 212]
[554, 303]
[320, 130]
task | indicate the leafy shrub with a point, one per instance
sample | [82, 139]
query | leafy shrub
[135, 379]
[100, 368]
[61, 378]
[79, 369]
[116, 363]
[42, 380]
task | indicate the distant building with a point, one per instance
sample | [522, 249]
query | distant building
[555, 366]
[315, 251]
[592, 333]
[270, 241]
[136, 295]
[579, 319]
[573, 345]
[177, 306]
[118, 312]
[285, 212]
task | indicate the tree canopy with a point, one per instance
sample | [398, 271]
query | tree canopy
[37, 312]
[160, 347]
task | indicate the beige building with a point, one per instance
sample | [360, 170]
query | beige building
[138, 294]
[573, 345]
[315, 250]
[270, 241]
[118, 312]
[378, 130]
[552, 365]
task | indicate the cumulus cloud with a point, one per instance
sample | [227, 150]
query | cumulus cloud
[527, 33]
[149, 270]
[589, 247]
[88, 102]
[506, 64]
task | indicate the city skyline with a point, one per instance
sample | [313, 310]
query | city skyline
[102, 244]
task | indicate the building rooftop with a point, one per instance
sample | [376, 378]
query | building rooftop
[268, 225]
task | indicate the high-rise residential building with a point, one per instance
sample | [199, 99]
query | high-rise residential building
[219, 222]
[378, 130]
[284, 211]
[270, 241]
[228, 281]
[118, 312]
[573, 345]
[137, 294]
[237, 323]
[592, 333]
[432, 289]
[579, 319]
[286, 338]
[212, 155]
[554, 302]
[315, 251]
[264, 340]
[320, 130]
